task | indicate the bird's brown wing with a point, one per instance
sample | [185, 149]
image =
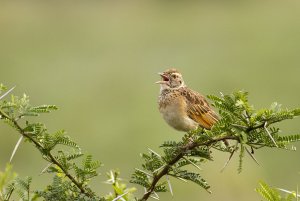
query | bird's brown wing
[199, 109]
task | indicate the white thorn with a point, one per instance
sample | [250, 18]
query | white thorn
[16, 147]
[170, 186]
[7, 92]
[265, 126]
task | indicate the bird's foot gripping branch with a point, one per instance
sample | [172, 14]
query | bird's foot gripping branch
[245, 128]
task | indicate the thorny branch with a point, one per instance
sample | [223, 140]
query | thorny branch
[190, 146]
[181, 154]
[49, 155]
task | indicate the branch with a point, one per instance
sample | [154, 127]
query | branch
[190, 146]
[48, 153]
[181, 154]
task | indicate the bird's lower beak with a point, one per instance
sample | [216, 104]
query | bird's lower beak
[164, 80]
[161, 82]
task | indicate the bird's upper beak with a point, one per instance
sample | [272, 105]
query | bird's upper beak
[164, 80]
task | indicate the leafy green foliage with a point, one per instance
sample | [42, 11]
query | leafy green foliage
[241, 129]
[254, 129]
[272, 194]
[2, 88]
[23, 188]
[6, 178]
[88, 171]
[57, 148]
[121, 192]
[63, 190]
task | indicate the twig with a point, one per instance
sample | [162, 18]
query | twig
[190, 146]
[180, 155]
[51, 158]
[262, 125]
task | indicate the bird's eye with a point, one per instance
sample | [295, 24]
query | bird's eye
[174, 76]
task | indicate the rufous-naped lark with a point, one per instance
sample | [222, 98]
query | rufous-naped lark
[181, 107]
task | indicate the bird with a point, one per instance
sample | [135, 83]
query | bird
[181, 107]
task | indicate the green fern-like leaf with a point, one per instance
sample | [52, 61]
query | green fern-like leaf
[60, 138]
[42, 109]
[268, 193]
[74, 156]
[185, 162]
[152, 161]
[23, 188]
[88, 161]
[24, 184]
[202, 152]
[140, 178]
[169, 144]
[35, 129]
[289, 138]
[161, 187]
[194, 177]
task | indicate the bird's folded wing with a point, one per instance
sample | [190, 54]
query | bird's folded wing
[199, 109]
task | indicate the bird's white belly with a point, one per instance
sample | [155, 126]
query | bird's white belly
[175, 115]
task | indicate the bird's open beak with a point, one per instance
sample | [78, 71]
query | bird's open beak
[164, 80]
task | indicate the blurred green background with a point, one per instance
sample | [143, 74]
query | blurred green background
[97, 60]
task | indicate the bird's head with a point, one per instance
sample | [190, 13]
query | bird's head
[171, 78]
